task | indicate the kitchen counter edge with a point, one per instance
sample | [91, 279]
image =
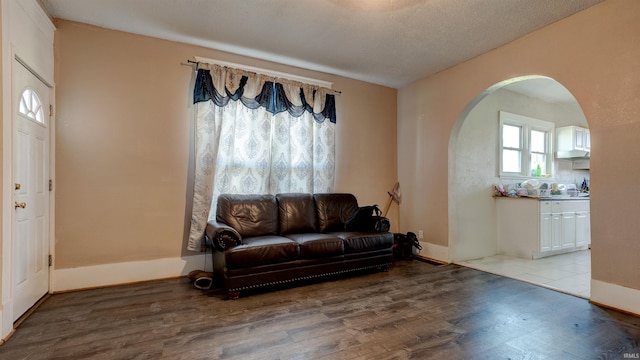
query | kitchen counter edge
[574, 198]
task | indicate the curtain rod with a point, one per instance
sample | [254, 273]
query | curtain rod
[276, 74]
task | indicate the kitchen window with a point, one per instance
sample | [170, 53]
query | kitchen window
[525, 146]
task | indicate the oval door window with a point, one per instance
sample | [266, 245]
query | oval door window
[31, 106]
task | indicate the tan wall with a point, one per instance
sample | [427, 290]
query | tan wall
[595, 55]
[124, 137]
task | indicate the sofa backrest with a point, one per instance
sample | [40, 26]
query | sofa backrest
[250, 215]
[333, 210]
[296, 213]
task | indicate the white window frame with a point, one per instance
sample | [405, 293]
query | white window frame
[527, 124]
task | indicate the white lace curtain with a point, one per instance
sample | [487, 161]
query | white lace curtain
[258, 135]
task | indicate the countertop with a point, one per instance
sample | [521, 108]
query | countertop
[558, 198]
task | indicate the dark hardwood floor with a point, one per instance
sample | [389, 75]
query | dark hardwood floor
[414, 311]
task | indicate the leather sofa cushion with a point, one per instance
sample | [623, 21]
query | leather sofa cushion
[296, 213]
[261, 250]
[250, 215]
[355, 242]
[315, 245]
[334, 210]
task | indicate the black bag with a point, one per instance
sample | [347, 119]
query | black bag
[382, 224]
[366, 218]
[404, 244]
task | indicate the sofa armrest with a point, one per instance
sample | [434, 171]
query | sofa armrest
[222, 236]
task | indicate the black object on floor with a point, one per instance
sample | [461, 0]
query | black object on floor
[403, 245]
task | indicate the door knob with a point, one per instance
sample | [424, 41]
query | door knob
[20, 205]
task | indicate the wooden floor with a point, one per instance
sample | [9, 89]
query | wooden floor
[414, 311]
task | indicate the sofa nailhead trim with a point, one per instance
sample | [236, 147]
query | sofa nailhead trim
[309, 277]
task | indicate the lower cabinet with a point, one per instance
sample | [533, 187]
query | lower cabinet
[556, 231]
[583, 228]
[546, 235]
[568, 230]
[537, 228]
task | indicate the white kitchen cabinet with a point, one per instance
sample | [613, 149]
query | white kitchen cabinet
[532, 228]
[578, 223]
[587, 140]
[545, 231]
[573, 138]
[583, 228]
[556, 231]
[568, 230]
[578, 138]
[550, 227]
[556, 226]
[572, 141]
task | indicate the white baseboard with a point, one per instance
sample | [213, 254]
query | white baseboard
[615, 296]
[6, 328]
[433, 251]
[127, 272]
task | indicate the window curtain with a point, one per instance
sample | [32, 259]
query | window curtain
[256, 134]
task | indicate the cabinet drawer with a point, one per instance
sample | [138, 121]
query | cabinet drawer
[545, 207]
[575, 206]
[557, 206]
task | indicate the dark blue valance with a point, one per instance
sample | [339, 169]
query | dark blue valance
[272, 96]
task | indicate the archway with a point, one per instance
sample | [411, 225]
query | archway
[474, 157]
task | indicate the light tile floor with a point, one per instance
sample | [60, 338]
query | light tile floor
[569, 273]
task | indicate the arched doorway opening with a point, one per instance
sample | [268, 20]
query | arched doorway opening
[474, 157]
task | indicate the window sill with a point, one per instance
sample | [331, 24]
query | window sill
[522, 178]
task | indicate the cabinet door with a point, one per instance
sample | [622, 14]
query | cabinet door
[545, 232]
[578, 138]
[587, 140]
[568, 230]
[583, 228]
[556, 231]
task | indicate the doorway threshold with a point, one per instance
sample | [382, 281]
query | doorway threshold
[567, 273]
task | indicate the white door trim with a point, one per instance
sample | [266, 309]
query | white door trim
[52, 160]
[6, 326]
[29, 32]
[6, 308]
[30, 276]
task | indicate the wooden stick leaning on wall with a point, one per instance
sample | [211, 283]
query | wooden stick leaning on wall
[394, 196]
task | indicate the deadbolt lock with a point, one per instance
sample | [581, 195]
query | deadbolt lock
[17, 186]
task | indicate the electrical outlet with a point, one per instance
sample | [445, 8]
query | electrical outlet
[420, 234]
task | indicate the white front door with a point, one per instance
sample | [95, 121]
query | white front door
[31, 190]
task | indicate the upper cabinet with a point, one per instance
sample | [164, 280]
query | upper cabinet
[573, 142]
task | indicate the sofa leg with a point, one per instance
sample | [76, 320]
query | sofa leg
[234, 295]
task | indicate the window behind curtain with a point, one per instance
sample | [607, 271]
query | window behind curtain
[258, 135]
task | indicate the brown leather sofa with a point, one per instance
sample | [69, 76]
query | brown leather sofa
[269, 240]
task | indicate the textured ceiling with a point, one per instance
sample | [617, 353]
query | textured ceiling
[386, 42]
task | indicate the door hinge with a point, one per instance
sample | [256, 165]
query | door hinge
[50, 185]
[50, 260]
[50, 110]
